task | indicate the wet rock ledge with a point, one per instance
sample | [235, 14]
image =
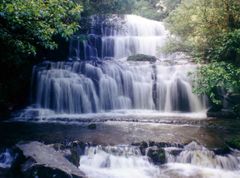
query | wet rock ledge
[35, 159]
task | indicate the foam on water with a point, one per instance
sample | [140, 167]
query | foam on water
[118, 162]
[128, 162]
[6, 159]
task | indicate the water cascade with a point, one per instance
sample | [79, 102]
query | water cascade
[193, 160]
[6, 159]
[98, 77]
[124, 37]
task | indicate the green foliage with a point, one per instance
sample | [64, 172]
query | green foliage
[226, 47]
[155, 9]
[27, 28]
[234, 143]
[147, 9]
[216, 75]
[206, 25]
[93, 7]
[174, 44]
[29, 24]
[210, 32]
[188, 30]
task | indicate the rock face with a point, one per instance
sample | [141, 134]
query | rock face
[142, 57]
[72, 151]
[223, 113]
[226, 109]
[44, 161]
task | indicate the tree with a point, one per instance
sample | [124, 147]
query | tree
[210, 31]
[26, 28]
[205, 22]
[29, 24]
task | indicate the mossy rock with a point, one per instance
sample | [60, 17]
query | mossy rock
[142, 57]
[157, 155]
[234, 143]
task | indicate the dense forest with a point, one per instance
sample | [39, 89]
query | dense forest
[32, 31]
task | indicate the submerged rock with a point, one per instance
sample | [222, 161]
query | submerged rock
[157, 155]
[223, 113]
[222, 151]
[234, 143]
[143, 146]
[44, 161]
[76, 150]
[92, 126]
[228, 108]
[41, 171]
[142, 57]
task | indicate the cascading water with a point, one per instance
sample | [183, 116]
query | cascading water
[6, 159]
[135, 35]
[193, 160]
[116, 162]
[102, 85]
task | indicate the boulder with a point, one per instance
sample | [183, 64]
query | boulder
[157, 155]
[222, 151]
[76, 149]
[142, 57]
[143, 146]
[44, 161]
[92, 126]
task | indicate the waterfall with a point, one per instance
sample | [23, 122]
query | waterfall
[87, 87]
[99, 78]
[135, 35]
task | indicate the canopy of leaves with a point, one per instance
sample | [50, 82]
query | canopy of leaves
[96, 7]
[217, 75]
[28, 24]
[210, 31]
[153, 9]
[29, 27]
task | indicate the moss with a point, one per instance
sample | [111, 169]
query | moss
[142, 57]
[234, 143]
[157, 155]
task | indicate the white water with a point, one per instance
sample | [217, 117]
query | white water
[117, 162]
[127, 162]
[65, 88]
[6, 159]
[138, 35]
